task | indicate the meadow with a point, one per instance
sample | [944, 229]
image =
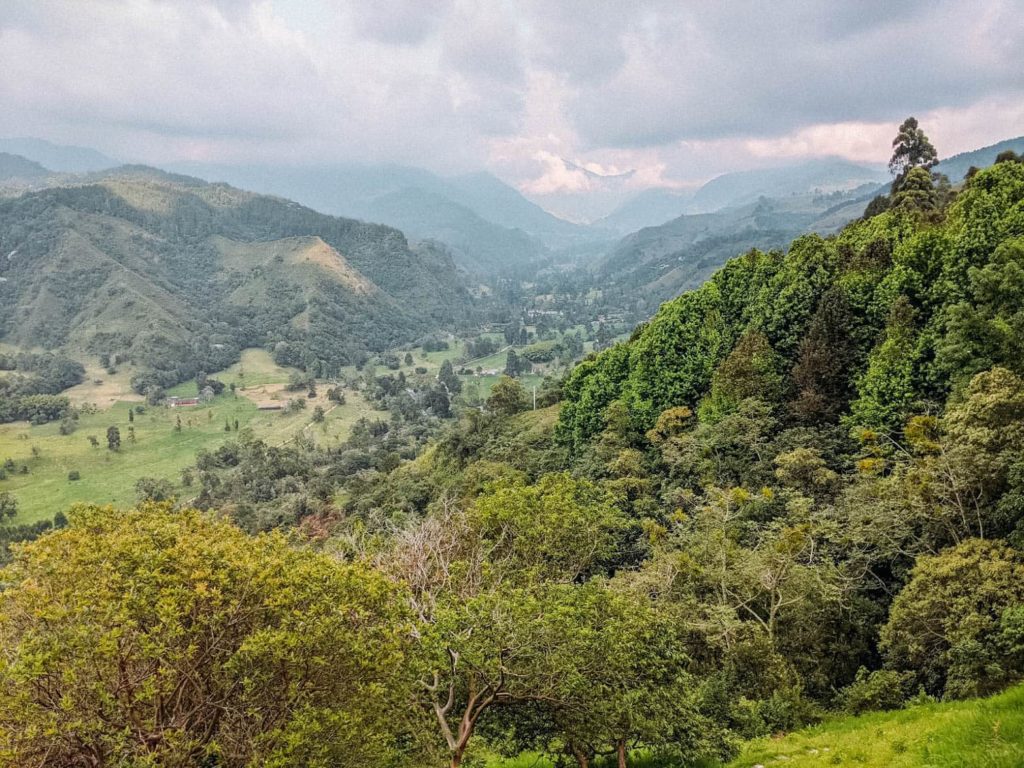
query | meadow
[159, 448]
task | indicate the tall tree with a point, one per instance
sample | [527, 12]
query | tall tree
[448, 378]
[911, 149]
[113, 438]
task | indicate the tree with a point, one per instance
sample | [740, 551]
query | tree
[318, 414]
[494, 589]
[8, 505]
[448, 378]
[911, 149]
[631, 684]
[945, 625]
[507, 397]
[408, 358]
[750, 370]
[153, 489]
[152, 637]
[828, 353]
[886, 389]
[438, 402]
[113, 438]
[512, 364]
[917, 193]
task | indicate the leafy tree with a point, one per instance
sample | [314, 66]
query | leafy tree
[944, 626]
[916, 193]
[631, 684]
[827, 356]
[153, 489]
[911, 149]
[507, 397]
[152, 637]
[886, 390]
[750, 370]
[448, 378]
[513, 365]
[113, 438]
[8, 505]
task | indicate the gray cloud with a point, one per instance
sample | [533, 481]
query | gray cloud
[678, 90]
[703, 72]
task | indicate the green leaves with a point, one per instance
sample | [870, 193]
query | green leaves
[155, 636]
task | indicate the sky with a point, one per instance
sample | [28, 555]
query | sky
[674, 91]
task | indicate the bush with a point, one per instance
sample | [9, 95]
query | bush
[945, 624]
[883, 689]
[74, 475]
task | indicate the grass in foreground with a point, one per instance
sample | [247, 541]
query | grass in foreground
[981, 733]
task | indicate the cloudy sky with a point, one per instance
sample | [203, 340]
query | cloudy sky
[676, 90]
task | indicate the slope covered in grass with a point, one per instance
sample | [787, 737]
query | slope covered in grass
[981, 733]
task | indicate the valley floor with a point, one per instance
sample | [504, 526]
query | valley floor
[159, 450]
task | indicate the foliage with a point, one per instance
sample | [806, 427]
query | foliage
[152, 637]
[944, 626]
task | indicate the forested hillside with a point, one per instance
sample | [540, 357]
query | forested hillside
[176, 276]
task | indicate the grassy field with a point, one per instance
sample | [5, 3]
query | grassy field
[159, 449]
[985, 733]
[982, 733]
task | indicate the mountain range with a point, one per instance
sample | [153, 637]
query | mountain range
[380, 284]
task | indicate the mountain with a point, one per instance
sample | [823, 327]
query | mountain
[477, 245]
[956, 167]
[658, 262]
[421, 202]
[18, 168]
[58, 157]
[815, 176]
[178, 275]
[647, 209]
[496, 201]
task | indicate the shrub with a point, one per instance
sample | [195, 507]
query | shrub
[882, 689]
[74, 475]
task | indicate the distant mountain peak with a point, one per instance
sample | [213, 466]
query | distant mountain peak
[58, 157]
[624, 176]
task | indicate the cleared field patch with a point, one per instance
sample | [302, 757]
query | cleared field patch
[103, 389]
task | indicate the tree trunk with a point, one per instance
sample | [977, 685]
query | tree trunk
[457, 756]
[581, 756]
[620, 750]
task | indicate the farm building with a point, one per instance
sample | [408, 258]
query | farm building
[181, 402]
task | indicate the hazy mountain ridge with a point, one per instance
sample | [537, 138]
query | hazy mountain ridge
[956, 167]
[16, 167]
[59, 158]
[483, 234]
